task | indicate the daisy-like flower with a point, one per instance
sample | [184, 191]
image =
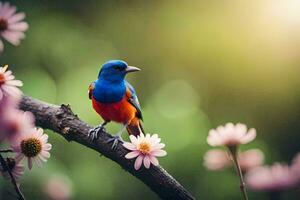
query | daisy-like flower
[17, 169]
[33, 145]
[273, 178]
[145, 149]
[11, 25]
[220, 159]
[231, 135]
[8, 84]
[14, 122]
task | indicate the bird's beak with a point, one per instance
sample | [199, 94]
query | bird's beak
[132, 69]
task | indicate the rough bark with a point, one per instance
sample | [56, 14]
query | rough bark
[62, 120]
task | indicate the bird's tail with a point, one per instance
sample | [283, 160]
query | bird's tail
[135, 128]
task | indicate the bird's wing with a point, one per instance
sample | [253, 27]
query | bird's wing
[91, 88]
[133, 100]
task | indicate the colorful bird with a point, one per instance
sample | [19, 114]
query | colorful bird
[114, 99]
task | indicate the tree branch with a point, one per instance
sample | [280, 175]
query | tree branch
[63, 121]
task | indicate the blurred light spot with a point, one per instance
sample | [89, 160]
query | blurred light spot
[58, 187]
[176, 99]
[286, 12]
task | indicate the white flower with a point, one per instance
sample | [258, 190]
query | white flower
[230, 135]
[275, 177]
[32, 145]
[8, 84]
[145, 149]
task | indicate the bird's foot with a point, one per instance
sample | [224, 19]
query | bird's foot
[94, 133]
[115, 140]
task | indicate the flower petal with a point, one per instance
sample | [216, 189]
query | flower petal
[47, 147]
[30, 163]
[132, 154]
[159, 153]
[154, 160]
[133, 139]
[147, 162]
[20, 26]
[138, 162]
[19, 157]
[13, 37]
[249, 136]
[129, 146]
[16, 18]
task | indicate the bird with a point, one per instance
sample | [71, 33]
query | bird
[115, 100]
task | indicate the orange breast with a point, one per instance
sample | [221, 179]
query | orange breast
[121, 112]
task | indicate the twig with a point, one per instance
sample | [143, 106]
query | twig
[63, 121]
[12, 178]
[6, 150]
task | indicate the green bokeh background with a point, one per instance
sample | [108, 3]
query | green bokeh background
[204, 63]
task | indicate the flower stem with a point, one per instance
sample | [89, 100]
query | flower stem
[233, 152]
[12, 178]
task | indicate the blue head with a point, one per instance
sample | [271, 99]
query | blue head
[110, 86]
[115, 70]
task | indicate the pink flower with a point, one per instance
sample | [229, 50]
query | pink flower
[14, 122]
[8, 103]
[275, 177]
[219, 159]
[296, 166]
[216, 160]
[145, 149]
[17, 169]
[250, 159]
[33, 145]
[230, 135]
[11, 25]
[8, 84]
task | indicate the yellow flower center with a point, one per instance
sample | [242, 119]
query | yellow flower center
[31, 147]
[3, 24]
[144, 148]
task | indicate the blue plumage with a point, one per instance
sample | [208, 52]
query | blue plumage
[110, 87]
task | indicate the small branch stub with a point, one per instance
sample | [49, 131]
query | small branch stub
[62, 120]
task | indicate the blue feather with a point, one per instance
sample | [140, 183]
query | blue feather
[133, 95]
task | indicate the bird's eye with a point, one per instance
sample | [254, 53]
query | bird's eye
[118, 68]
